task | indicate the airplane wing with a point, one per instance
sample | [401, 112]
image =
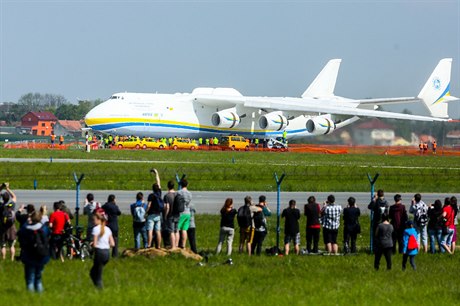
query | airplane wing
[384, 101]
[322, 106]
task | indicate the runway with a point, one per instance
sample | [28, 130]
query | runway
[209, 202]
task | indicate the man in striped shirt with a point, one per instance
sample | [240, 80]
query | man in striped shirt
[331, 221]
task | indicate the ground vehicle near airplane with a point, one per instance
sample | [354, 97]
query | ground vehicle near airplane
[149, 143]
[234, 142]
[130, 143]
[184, 143]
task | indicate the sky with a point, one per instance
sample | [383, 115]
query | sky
[91, 49]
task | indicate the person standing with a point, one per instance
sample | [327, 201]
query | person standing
[331, 222]
[33, 239]
[9, 231]
[448, 231]
[227, 226]
[312, 211]
[90, 206]
[291, 217]
[53, 139]
[434, 146]
[138, 210]
[154, 211]
[246, 223]
[379, 207]
[58, 221]
[172, 219]
[398, 218]
[259, 221]
[191, 232]
[102, 241]
[420, 211]
[112, 211]
[61, 140]
[185, 196]
[453, 203]
[351, 226]
[411, 245]
[384, 240]
[435, 222]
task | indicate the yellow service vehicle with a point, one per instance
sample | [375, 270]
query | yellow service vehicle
[234, 143]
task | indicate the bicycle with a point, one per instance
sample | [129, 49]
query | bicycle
[74, 246]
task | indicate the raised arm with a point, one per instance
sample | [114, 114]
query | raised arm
[157, 177]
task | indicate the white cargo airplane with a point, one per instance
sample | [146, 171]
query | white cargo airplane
[222, 111]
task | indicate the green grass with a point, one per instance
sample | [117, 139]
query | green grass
[235, 171]
[293, 280]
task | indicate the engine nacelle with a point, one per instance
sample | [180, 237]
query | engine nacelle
[227, 118]
[320, 126]
[273, 121]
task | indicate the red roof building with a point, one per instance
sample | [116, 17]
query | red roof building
[68, 128]
[38, 123]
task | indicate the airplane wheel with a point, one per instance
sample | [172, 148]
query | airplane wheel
[192, 148]
[175, 148]
[247, 148]
[138, 147]
[120, 146]
[144, 147]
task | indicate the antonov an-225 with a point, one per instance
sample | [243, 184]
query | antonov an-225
[222, 111]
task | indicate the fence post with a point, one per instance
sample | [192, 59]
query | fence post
[372, 182]
[278, 208]
[178, 180]
[77, 205]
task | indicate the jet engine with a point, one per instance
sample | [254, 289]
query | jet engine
[273, 121]
[227, 118]
[320, 126]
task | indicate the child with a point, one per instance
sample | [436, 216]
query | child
[410, 247]
[102, 241]
[291, 227]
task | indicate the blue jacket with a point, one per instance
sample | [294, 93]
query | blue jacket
[407, 233]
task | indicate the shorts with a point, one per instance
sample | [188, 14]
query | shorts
[153, 222]
[171, 224]
[6, 242]
[422, 234]
[247, 235]
[184, 222]
[330, 236]
[294, 238]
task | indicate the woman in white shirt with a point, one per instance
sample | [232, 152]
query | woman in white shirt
[102, 241]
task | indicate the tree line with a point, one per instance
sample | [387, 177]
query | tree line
[56, 104]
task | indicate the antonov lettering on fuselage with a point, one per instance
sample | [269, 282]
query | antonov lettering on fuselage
[222, 111]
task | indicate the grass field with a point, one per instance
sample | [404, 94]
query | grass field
[293, 280]
[235, 171]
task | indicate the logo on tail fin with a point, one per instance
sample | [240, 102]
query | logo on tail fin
[436, 83]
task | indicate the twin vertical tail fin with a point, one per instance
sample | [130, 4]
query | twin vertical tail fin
[324, 83]
[436, 92]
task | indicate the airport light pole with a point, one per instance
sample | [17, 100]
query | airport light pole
[77, 206]
[278, 208]
[372, 182]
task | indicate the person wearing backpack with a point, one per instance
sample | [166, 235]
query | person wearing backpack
[246, 223]
[182, 206]
[102, 241]
[9, 231]
[411, 245]
[58, 222]
[33, 239]
[384, 240]
[434, 226]
[154, 210]
[379, 207]
[90, 207]
[259, 221]
[113, 212]
[138, 211]
[420, 211]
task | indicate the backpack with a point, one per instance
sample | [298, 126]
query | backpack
[157, 204]
[139, 213]
[421, 215]
[178, 205]
[258, 219]
[412, 244]
[244, 217]
[40, 243]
